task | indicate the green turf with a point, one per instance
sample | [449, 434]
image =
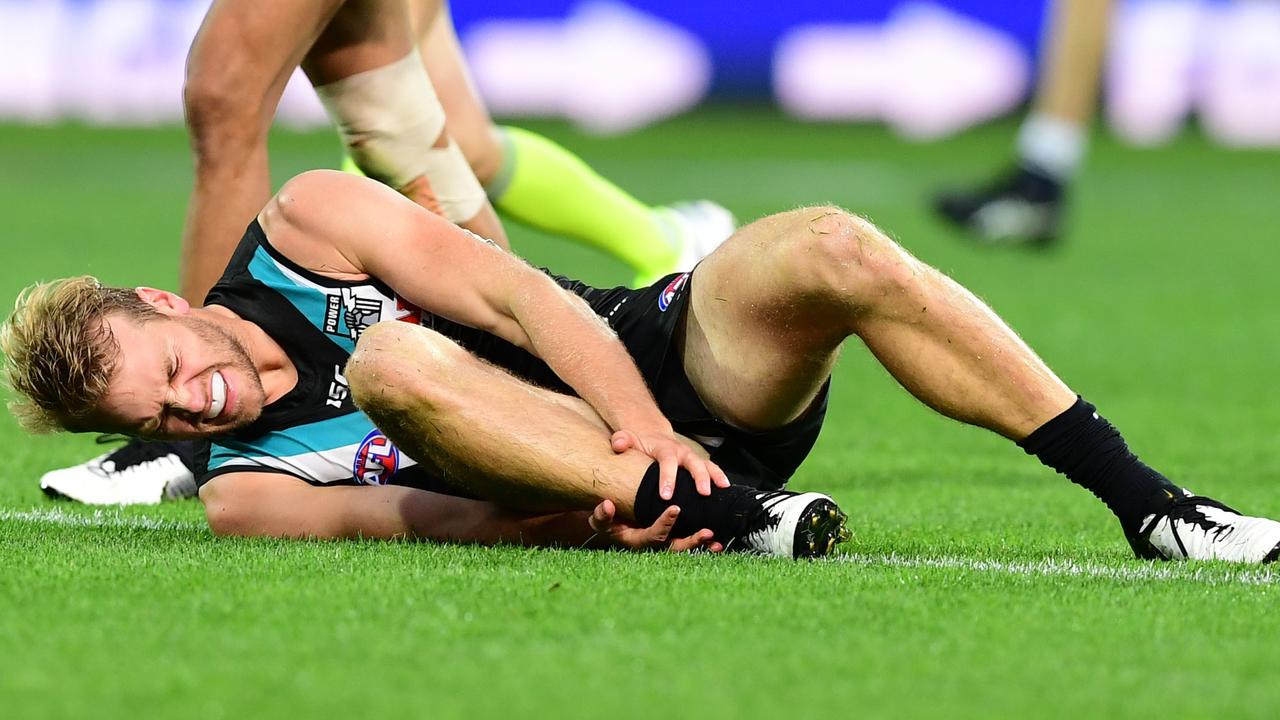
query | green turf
[978, 584]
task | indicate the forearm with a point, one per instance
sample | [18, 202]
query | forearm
[587, 355]
[566, 529]
[273, 506]
[459, 520]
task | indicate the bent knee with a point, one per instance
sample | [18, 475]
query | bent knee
[391, 341]
[836, 250]
[221, 109]
[398, 364]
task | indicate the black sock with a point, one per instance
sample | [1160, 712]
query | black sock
[725, 512]
[1090, 451]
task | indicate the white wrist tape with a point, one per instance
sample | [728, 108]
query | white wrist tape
[390, 119]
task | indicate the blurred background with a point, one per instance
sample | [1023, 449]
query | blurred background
[925, 69]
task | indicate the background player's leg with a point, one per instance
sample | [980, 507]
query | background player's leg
[237, 69]
[793, 286]
[1026, 203]
[540, 183]
[466, 116]
[1068, 85]
[366, 70]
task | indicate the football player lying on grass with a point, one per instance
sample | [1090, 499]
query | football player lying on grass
[381, 93]
[357, 345]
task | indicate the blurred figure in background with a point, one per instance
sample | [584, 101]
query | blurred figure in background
[360, 55]
[1026, 203]
[362, 58]
[368, 61]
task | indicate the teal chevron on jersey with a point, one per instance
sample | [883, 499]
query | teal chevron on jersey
[310, 299]
[314, 431]
[313, 447]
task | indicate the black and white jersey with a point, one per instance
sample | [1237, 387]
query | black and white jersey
[314, 432]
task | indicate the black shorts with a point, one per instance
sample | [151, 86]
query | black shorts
[646, 320]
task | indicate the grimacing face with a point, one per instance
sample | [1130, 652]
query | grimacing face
[178, 377]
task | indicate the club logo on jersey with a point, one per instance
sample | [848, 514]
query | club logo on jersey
[358, 311]
[673, 289]
[376, 459]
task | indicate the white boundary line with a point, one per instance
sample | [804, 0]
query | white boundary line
[96, 519]
[1049, 567]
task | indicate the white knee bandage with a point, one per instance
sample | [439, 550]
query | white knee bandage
[390, 119]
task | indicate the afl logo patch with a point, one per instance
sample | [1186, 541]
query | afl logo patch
[376, 459]
[673, 289]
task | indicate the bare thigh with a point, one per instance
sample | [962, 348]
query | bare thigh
[756, 347]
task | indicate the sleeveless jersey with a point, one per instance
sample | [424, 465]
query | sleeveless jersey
[314, 432]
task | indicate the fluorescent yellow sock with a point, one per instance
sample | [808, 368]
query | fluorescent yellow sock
[544, 185]
[350, 166]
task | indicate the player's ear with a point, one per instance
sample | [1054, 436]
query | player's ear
[165, 302]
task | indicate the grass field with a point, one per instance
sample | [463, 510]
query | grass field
[978, 583]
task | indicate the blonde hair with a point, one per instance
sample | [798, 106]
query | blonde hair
[59, 353]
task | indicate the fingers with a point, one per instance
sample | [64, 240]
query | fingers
[622, 441]
[700, 539]
[655, 536]
[704, 472]
[601, 519]
[673, 458]
[704, 539]
[671, 455]
[721, 480]
[668, 464]
[697, 468]
[661, 527]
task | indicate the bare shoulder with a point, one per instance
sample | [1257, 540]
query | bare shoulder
[316, 218]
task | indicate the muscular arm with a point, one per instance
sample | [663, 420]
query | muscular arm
[350, 228]
[273, 505]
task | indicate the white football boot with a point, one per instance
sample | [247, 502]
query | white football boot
[136, 473]
[794, 525]
[1199, 528]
